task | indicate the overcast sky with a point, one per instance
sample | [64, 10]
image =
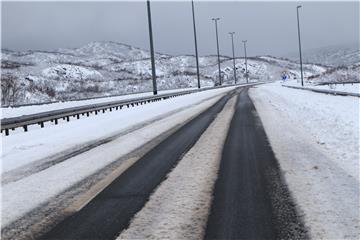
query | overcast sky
[270, 27]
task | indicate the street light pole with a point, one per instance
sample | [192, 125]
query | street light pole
[233, 52]
[246, 71]
[217, 44]
[298, 23]
[196, 50]
[153, 71]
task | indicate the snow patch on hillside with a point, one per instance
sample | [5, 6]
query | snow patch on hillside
[110, 68]
[70, 72]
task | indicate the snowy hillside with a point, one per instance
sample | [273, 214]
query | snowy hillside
[109, 68]
[340, 74]
[334, 56]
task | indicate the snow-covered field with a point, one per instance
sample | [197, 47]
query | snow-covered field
[316, 140]
[24, 153]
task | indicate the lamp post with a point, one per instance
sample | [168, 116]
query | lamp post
[196, 50]
[233, 52]
[217, 44]
[298, 23]
[153, 71]
[246, 71]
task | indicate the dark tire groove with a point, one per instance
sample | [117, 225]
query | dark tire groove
[251, 199]
[111, 211]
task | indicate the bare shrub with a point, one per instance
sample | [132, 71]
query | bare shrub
[10, 89]
[50, 92]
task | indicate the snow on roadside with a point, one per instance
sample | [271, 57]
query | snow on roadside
[40, 187]
[178, 209]
[41, 143]
[351, 88]
[25, 110]
[316, 140]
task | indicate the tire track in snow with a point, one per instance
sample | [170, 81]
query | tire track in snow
[38, 220]
[178, 209]
[131, 190]
[251, 198]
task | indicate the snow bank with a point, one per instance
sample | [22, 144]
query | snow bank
[179, 207]
[316, 140]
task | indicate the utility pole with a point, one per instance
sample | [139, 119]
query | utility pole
[298, 23]
[153, 71]
[196, 50]
[233, 52]
[217, 44]
[246, 71]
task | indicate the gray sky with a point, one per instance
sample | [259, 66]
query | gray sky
[270, 27]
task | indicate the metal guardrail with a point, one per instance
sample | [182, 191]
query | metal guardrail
[24, 121]
[337, 83]
[77, 99]
[339, 93]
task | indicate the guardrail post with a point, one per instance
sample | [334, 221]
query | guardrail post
[67, 118]
[6, 132]
[56, 121]
[41, 124]
[25, 128]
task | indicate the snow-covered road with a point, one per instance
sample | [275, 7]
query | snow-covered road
[24, 150]
[316, 140]
[179, 207]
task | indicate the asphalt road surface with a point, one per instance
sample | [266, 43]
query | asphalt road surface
[251, 200]
[111, 211]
